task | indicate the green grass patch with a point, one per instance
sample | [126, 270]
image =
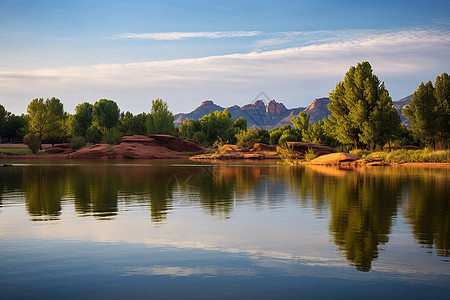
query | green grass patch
[17, 151]
[361, 153]
[404, 156]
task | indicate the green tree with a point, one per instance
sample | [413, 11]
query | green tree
[218, 126]
[284, 134]
[130, 125]
[16, 127]
[362, 111]
[240, 124]
[429, 112]
[160, 120]
[82, 119]
[46, 118]
[105, 114]
[442, 94]
[3, 114]
[248, 138]
[32, 141]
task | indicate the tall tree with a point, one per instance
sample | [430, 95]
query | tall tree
[82, 119]
[442, 94]
[160, 120]
[362, 111]
[105, 113]
[3, 114]
[429, 112]
[46, 118]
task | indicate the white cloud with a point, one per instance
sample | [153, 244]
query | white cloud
[294, 76]
[169, 36]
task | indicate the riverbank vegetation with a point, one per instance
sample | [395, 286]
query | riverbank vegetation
[362, 119]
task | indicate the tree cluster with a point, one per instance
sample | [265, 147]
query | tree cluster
[362, 117]
[429, 113]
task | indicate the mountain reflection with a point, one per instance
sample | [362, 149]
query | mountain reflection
[360, 203]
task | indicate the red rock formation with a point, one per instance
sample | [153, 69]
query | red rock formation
[154, 146]
[59, 149]
[334, 159]
[318, 148]
[275, 108]
[264, 147]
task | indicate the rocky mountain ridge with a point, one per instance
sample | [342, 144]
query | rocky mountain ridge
[274, 114]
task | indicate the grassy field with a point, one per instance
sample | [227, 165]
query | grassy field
[405, 156]
[18, 149]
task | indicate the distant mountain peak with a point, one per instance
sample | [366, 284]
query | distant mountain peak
[274, 114]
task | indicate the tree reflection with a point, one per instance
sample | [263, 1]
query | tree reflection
[428, 210]
[44, 190]
[361, 202]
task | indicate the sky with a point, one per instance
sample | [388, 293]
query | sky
[188, 51]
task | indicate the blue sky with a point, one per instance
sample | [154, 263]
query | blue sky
[188, 51]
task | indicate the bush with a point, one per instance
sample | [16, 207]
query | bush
[33, 142]
[310, 154]
[361, 153]
[403, 156]
[77, 142]
[112, 136]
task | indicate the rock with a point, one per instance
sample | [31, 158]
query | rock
[155, 146]
[377, 163]
[334, 159]
[275, 108]
[177, 144]
[59, 149]
[264, 147]
[318, 148]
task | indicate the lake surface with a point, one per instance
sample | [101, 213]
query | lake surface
[184, 230]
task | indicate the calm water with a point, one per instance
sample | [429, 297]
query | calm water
[146, 230]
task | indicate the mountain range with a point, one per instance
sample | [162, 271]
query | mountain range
[273, 114]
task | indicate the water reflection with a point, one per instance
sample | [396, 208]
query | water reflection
[361, 203]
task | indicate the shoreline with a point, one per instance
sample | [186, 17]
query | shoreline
[4, 158]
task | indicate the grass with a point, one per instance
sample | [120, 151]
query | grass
[404, 156]
[17, 150]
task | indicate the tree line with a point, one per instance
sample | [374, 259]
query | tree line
[362, 117]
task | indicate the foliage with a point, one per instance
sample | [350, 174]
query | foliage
[131, 125]
[362, 111]
[93, 134]
[209, 129]
[32, 141]
[3, 113]
[240, 124]
[220, 146]
[77, 142]
[105, 114]
[46, 118]
[82, 119]
[310, 154]
[284, 134]
[360, 152]
[112, 136]
[160, 120]
[429, 112]
[12, 127]
[248, 138]
[403, 156]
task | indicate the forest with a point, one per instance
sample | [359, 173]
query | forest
[362, 117]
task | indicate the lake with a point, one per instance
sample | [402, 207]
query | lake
[186, 230]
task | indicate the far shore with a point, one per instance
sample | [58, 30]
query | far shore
[214, 158]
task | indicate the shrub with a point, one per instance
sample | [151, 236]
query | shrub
[310, 154]
[112, 136]
[403, 156]
[32, 141]
[77, 142]
[361, 153]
